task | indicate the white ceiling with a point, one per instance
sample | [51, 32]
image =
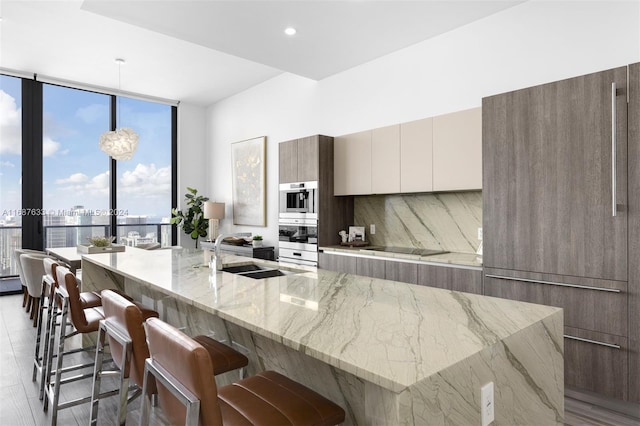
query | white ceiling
[203, 51]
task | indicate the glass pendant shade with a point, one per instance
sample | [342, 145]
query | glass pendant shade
[120, 143]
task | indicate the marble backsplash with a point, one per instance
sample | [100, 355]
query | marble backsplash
[447, 221]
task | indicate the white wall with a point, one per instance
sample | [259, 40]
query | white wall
[532, 43]
[192, 155]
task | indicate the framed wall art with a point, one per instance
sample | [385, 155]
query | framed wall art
[249, 175]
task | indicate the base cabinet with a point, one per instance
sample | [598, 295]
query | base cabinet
[596, 362]
[337, 263]
[451, 278]
[448, 277]
[595, 313]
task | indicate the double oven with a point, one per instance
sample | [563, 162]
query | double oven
[298, 223]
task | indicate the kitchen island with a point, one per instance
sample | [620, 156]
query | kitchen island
[387, 352]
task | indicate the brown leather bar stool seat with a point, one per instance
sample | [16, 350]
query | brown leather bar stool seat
[188, 393]
[224, 358]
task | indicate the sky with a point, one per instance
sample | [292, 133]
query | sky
[75, 171]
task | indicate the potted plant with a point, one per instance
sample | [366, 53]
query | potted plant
[192, 221]
[257, 240]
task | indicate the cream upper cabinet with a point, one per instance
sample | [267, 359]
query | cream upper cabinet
[416, 156]
[385, 160]
[441, 153]
[457, 151]
[352, 164]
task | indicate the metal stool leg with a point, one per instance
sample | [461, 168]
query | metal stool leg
[98, 372]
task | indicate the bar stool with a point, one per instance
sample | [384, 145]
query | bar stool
[49, 284]
[188, 393]
[123, 326]
[84, 320]
[27, 300]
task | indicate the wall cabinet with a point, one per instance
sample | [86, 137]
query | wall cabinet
[416, 156]
[298, 160]
[457, 151]
[352, 160]
[385, 160]
[557, 220]
[434, 154]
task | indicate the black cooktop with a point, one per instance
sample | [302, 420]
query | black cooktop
[409, 250]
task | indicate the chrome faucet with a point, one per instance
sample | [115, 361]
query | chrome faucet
[216, 252]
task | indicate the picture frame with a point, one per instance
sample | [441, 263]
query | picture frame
[356, 233]
[249, 175]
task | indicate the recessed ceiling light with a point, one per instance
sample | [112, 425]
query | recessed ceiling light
[290, 31]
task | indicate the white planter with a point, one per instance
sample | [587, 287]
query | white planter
[257, 243]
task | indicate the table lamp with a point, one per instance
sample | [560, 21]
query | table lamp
[214, 212]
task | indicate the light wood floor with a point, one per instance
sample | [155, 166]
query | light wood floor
[19, 403]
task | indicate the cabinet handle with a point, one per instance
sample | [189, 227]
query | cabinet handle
[297, 254]
[526, 280]
[595, 342]
[613, 150]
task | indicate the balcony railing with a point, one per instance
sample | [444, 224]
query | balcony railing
[70, 236]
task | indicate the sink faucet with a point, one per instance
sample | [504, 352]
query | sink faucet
[218, 242]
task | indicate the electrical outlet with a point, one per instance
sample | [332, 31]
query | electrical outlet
[372, 229]
[480, 234]
[487, 408]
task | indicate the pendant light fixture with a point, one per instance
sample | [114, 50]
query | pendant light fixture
[120, 144]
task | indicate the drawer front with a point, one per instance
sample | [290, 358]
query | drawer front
[590, 304]
[311, 256]
[337, 263]
[596, 362]
[374, 268]
[456, 279]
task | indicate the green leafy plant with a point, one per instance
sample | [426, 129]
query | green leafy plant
[257, 238]
[192, 221]
[101, 241]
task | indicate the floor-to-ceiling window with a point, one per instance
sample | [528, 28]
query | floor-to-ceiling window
[73, 190]
[144, 182]
[10, 172]
[75, 196]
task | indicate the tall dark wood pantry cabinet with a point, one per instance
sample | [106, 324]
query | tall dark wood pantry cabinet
[556, 216]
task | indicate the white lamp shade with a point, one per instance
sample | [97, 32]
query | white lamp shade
[119, 144]
[213, 210]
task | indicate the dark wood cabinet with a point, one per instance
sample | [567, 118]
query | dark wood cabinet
[548, 187]
[374, 268]
[337, 263]
[561, 216]
[596, 362]
[299, 160]
[451, 278]
[311, 159]
[634, 232]
[401, 271]
[589, 304]
[308, 159]
[288, 161]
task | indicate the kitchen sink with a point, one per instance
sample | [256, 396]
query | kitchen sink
[258, 272]
[242, 268]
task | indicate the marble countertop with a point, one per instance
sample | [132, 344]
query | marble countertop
[389, 333]
[462, 259]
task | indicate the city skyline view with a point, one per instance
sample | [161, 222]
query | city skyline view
[75, 171]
